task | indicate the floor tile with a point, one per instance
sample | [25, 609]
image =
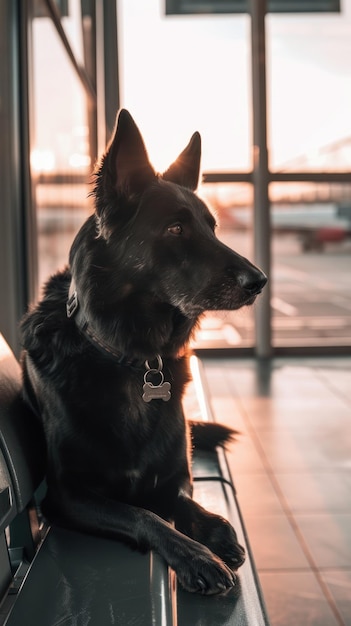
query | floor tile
[328, 538]
[244, 458]
[295, 599]
[337, 377]
[339, 585]
[226, 411]
[301, 451]
[299, 384]
[317, 491]
[274, 544]
[269, 414]
[256, 495]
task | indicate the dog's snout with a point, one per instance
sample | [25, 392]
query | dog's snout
[252, 282]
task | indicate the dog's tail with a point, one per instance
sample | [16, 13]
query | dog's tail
[209, 435]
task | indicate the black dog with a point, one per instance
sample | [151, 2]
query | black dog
[105, 367]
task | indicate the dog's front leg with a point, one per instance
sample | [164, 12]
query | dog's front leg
[197, 568]
[213, 531]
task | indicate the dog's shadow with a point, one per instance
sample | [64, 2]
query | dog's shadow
[96, 579]
[213, 610]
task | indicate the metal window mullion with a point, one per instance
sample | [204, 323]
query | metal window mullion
[262, 226]
[17, 259]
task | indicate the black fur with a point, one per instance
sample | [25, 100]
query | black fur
[145, 267]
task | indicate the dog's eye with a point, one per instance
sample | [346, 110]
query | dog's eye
[175, 229]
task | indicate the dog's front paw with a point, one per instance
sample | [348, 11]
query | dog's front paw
[205, 573]
[222, 540]
[232, 553]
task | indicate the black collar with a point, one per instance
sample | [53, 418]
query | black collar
[74, 310]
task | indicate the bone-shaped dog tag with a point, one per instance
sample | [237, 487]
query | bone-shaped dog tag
[156, 392]
[162, 391]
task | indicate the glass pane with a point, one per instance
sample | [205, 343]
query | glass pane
[311, 278]
[309, 70]
[181, 74]
[60, 153]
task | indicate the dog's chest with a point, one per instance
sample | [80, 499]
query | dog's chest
[136, 479]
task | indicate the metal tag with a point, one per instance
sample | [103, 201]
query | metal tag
[162, 391]
[156, 392]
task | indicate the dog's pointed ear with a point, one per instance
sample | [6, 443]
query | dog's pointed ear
[126, 158]
[186, 168]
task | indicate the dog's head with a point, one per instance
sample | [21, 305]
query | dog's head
[153, 235]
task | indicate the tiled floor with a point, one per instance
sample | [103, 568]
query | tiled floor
[292, 470]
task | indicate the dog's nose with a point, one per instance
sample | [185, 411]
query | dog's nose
[252, 282]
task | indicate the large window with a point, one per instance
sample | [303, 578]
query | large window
[193, 72]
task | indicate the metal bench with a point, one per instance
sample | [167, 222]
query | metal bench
[56, 577]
